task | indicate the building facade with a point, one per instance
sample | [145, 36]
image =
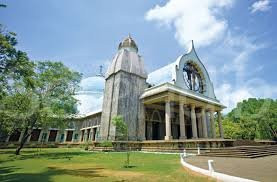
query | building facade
[175, 102]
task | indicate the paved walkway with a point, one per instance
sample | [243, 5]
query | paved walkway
[260, 169]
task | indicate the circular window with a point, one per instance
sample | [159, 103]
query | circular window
[193, 78]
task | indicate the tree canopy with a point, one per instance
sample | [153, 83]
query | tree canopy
[33, 94]
[252, 119]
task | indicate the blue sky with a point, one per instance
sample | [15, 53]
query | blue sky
[236, 40]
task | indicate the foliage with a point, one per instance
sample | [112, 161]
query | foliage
[85, 145]
[252, 119]
[122, 134]
[33, 94]
[16, 71]
[121, 128]
[106, 144]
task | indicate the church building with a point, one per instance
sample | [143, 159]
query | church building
[175, 102]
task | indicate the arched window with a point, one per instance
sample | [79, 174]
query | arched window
[156, 116]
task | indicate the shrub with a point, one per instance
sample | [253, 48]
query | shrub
[106, 144]
[84, 145]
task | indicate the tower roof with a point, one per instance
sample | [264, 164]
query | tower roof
[128, 42]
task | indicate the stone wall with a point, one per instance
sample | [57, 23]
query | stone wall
[121, 97]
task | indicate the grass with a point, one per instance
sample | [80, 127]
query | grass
[78, 165]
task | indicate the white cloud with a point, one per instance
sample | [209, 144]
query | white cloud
[199, 20]
[230, 95]
[230, 61]
[242, 48]
[262, 5]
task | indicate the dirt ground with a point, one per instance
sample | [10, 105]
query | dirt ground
[260, 169]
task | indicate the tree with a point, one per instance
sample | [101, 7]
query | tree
[252, 119]
[122, 134]
[46, 101]
[15, 68]
[32, 94]
[121, 128]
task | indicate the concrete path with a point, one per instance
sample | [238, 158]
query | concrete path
[260, 169]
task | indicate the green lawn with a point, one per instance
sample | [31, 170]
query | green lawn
[78, 165]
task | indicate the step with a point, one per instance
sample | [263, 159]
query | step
[238, 156]
[241, 152]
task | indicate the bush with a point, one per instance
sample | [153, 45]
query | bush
[84, 145]
[106, 144]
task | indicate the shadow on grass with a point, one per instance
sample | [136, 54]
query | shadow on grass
[7, 170]
[130, 166]
[8, 174]
[51, 155]
[32, 154]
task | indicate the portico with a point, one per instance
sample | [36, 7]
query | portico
[184, 109]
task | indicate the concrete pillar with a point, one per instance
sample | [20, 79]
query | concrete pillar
[57, 137]
[221, 131]
[199, 124]
[29, 137]
[142, 125]
[86, 136]
[212, 124]
[193, 122]
[208, 121]
[7, 139]
[92, 134]
[149, 130]
[40, 135]
[204, 123]
[182, 121]
[47, 136]
[21, 136]
[168, 135]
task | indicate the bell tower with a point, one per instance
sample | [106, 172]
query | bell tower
[125, 82]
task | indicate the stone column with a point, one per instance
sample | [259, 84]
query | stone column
[212, 124]
[21, 136]
[168, 135]
[7, 139]
[193, 121]
[92, 134]
[149, 130]
[40, 135]
[142, 124]
[73, 133]
[29, 137]
[57, 136]
[204, 123]
[47, 136]
[86, 135]
[199, 124]
[182, 121]
[221, 131]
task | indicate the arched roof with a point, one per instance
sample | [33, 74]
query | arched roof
[128, 42]
[173, 73]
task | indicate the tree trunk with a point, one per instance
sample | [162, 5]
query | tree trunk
[23, 141]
